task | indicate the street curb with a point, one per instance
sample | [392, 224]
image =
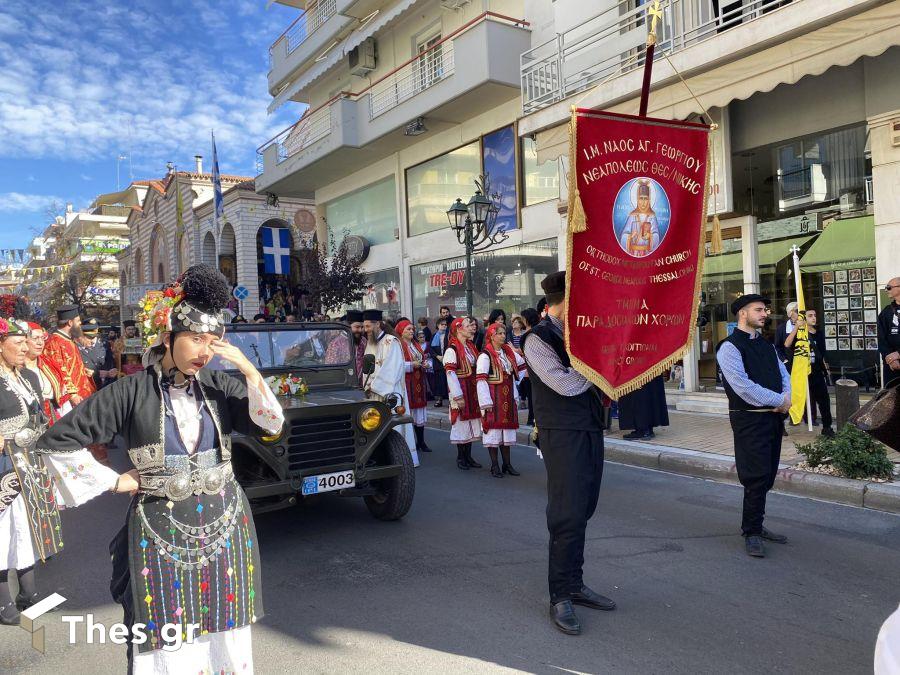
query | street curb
[864, 494]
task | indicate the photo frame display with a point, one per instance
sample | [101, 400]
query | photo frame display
[831, 345]
[843, 302]
[856, 330]
[854, 275]
[840, 276]
[859, 344]
[830, 304]
[843, 317]
[856, 316]
[869, 288]
[870, 302]
[856, 288]
[869, 274]
[828, 290]
[870, 315]
[856, 302]
[830, 331]
[871, 330]
[830, 317]
[843, 330]
[827, 277]
[844, 344]
[841, 289]
[872, 343]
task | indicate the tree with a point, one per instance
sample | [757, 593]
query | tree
[334, 277]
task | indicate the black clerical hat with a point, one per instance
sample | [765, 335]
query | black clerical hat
[745, 300]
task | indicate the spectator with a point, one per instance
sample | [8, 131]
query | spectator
[439, 388]
[889, 334]
[423, 326]
[259, 318]
[530, 318]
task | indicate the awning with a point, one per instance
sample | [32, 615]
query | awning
[770, 253]
[843, 244]
[336, 55]
[730, 264]
[870, 33]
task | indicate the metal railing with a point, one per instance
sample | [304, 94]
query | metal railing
[311, 128]
[433, 66]
[870, 191]
[612, 43]
[304, 26]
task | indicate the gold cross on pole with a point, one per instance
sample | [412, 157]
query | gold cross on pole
[656, 14]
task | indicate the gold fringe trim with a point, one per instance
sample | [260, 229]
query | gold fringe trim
[577, 216]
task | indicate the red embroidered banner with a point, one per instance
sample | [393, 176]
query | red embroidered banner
[637, 214]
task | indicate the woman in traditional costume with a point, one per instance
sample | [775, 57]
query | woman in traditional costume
[53, 389]
[465, 416]
[188, 553]
[414, 358]
[29, 516]
[497, 370]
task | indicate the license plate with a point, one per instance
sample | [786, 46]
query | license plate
[327, 482]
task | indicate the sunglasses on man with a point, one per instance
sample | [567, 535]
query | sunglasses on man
[889, 287]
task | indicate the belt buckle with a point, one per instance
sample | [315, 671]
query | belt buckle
[25, 437]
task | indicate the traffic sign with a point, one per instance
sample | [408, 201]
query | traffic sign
[240, 292]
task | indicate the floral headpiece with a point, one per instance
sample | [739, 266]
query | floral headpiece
[13, 327]
[155, 317]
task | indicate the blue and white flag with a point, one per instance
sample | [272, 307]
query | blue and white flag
[219, 202]
[276, 250]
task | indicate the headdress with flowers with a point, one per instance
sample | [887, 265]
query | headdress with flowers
[193, 303]
[13, 327]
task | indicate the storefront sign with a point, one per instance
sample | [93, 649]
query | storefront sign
[636, 227]
[785, 227]
[357, 247]
[102, 246]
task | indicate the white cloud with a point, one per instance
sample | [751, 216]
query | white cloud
[83, 80]
[27, 203]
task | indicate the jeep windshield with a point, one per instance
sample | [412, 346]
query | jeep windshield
[290, 347]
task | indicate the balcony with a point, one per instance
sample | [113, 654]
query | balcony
[467, 73]
[308, 37]
[802, 187]
[612, 44]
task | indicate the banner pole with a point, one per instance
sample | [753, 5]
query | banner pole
[655, 14]
[799, 290]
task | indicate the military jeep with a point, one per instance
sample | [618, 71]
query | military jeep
[333, 438]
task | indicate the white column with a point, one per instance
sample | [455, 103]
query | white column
[750, 255]
[886, 191]
[692, 365]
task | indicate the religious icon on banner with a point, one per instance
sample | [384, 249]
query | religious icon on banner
[641, 216]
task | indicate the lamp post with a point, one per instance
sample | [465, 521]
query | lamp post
[474, 225]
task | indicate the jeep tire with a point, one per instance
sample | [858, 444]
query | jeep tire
[395, 494]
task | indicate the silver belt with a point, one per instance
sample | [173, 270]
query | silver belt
[26, 436]
[182, 485]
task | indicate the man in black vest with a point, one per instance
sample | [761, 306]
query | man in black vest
[569, 415]
[759, 395]
[889, 334]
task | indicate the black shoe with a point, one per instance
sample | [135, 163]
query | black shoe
[828, 432]
[508, 468]
[471, 462]
[9, 615]
[637, 434]
[461, 462]
[771, 536]
[495, 471]
[588, 598]
[754, 546]
[564, 618]
[23, 602]
[784, 432]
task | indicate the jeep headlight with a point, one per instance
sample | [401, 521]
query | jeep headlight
[369, 418]
[273, 438]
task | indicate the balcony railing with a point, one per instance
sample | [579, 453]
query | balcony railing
[413, 78]
[304, 26]
[612, 44]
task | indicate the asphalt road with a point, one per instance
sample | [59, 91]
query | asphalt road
[459, 586]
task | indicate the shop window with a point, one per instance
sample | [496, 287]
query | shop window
[431, 187]
[540, 182]
[370, 212]
[507, 278]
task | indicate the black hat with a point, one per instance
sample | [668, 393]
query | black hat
[66, 312]
[554, 283]
[354, 316]
[745, 300]
[372, 315]
[129, 322]
[90, 326]
[205, 293]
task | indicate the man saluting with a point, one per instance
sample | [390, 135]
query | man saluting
[759, 395]
[568, 412]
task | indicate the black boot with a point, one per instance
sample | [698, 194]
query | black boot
[507, 464]
[9, 615]
[420, 439]
[461, 462]
[471, 462]
[27, 594]
[495, 465]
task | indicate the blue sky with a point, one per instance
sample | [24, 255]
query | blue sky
[85, 81]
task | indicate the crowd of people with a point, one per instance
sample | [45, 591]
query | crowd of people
[67, 392]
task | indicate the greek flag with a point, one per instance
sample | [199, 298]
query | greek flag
[276, 250]
[219, 210]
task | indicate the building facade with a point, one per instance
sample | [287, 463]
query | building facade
[163, 245]
[806, 152]
[409, 102]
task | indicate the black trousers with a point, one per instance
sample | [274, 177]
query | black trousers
[818, 393]
[574, 461]
[525, 392]
[757, 451]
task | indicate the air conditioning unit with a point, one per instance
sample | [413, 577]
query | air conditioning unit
[362, 58]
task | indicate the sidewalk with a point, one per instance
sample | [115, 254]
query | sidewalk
[702, 445]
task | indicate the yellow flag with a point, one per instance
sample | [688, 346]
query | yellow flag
[800, 369]
[179, 208]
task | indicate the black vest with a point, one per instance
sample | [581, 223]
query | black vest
[555, 411]
[760, 362]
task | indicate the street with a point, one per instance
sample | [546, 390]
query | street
[459, 585]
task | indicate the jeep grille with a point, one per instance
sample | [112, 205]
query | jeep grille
[321, 442]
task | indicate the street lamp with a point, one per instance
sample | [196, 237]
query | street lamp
[475, 226]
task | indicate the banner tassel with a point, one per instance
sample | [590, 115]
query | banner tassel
[715, 246]
[576, 214]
